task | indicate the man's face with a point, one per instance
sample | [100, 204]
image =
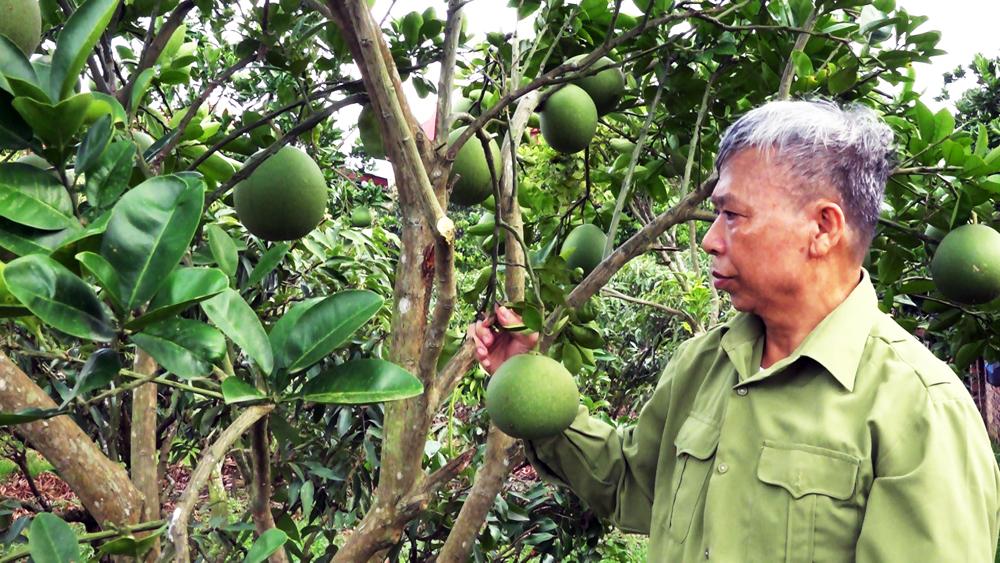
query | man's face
[760, 239]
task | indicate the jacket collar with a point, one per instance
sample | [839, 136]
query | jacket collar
[837, 343]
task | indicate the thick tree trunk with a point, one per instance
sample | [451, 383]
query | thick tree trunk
[102, 485]
[143, 462]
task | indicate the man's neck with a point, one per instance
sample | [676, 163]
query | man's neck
[785, 330]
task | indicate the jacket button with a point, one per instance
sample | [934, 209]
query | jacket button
[706, 553]
[723, 468]
[742, 391]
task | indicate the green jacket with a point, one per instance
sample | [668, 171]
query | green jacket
[860, 446]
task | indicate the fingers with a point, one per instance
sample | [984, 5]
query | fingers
[480, 349]
[484, 333]
[507, 317]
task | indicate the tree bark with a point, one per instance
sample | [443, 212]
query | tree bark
[142, 459]
[101, 485]
[260, 494]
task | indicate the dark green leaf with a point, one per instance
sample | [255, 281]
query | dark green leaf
[55, 124]
[76, 40]
[102, 105]
[32, 197]
[281, 329]
[268, 262]
[266, 544]
[184, 287]
[361, 382]
[93, 145]
[26, 415]
[183, 347]
[15, 133]
[327, 325]
[306, 495]
[237, 320]
[110, 177]
[151, 227]
[842, 80]
[105, 273]
[51, 540]
[55, 295]
[23, 241]
[223, 249]
[235, 390]
[101, 368]
[131, 546]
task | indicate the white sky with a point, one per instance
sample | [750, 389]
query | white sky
[966, 26]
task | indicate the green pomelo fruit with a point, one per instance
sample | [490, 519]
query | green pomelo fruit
[475, 183]
[534, 121]
[21, 22]
[361, 217]
[966, 266]
[216, 167]
[531, 397]
[284, 198]
[606, 87]
[371, 138]
[584, 247]
[569, 119]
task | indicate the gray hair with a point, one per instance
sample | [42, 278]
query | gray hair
[851, 148]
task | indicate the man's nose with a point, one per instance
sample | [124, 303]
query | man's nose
[712, 242]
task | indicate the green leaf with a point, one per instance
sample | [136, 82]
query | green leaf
[101, 368]
[307, 494]
[55, 124]
[223, 249]
[62, 300]
[925, 121]
[27, 415]
[183, 347]
[105, 273]
[327, 325]
[944, 124]
[803, 65]
[51, 540]
[93, 145]
[361, 382]
[110, 177]
[184, 287]
[237, 320]
[33, 197]
[281, 329]
[235, 390]
[268, 262]
[151, 227]
[842, 80]
[410, 27]
[130, 546]
[23, 241]
[140, 88]
[13, 64]
[76, 40]
[266, 544]
[982, 142]
[102, 105]
[15, 133]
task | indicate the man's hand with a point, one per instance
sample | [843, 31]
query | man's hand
[494, 344]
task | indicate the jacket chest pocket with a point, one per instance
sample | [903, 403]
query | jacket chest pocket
[696, 443]
[817, 484]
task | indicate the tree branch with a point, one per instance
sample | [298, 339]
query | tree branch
[452, 31]
[785, 86]
[142, 459]
[177, 532]
[695, 325]
[260, 494]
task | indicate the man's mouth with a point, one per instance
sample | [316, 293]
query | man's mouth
[716, 274]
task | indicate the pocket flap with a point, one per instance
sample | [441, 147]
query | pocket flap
[697, 438]
[803, 470]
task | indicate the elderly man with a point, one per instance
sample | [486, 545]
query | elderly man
[810, 427]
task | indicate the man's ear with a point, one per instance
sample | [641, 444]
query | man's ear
[831, 227]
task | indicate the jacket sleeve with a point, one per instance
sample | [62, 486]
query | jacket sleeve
[612, 470]
[935, 493]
